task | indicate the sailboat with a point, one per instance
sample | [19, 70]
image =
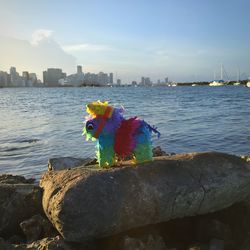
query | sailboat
[218, 82]
[248, 83]
[238, 78]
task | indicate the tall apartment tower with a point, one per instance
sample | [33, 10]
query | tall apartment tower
[142, 80]
[79, 69]
[118, 82]
[13, 74]
[111, 77]
[52, 75]
[12, 70]
[4, 79]
[26, 75]
[15, 79]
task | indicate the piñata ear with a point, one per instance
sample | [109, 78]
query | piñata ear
[98, 109]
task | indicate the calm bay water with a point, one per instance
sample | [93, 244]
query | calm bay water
[41, 123]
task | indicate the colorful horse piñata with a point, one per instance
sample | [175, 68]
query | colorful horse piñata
[117, 137]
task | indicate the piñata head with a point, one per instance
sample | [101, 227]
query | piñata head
[118, 138]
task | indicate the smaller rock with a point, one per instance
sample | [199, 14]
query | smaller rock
[245, 157]
[91, 162]
[147, 242]
[37, 227]
[18, 202]
[66, 163]
[157, 151]
[15, 179]
[5, 245]
[16, 239]
[211, 228]
[216, 244]
[199, 247]
[245, 244]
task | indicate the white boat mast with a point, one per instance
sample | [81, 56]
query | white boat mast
[221, 71]
[238, 75]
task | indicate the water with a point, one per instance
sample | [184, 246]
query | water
[41, 123]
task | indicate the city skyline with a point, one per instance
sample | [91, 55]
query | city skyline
[184, 40]
[53, 77]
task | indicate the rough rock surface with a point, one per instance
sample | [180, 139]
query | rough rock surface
[53, 243]
[46, 243]
[66, 163]
[87, 203]
[61, 163]
[17, 203]
[37, 227]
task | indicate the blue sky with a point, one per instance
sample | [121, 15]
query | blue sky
[185, 40]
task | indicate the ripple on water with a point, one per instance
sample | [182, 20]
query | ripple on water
[38, 124]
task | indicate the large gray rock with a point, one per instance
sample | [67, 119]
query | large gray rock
[87, 203]
[17, 203]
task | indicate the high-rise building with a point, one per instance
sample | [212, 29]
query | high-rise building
[13, 71]
[33, 77]
[52, 76]
[45, 77]
[15, 79]
[142, 80]
[4, 79]
[13, 75]
[111, 76]
[91, 79]
[25, 79]
[26, 75]
[79, 69]
[118, 82]
[75, 79]
[32, 80]
[147, 81]
[166, 80]
[102, 78]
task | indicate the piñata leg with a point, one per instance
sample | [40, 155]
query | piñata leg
[143, 153]
[105, 153]
[143, 149]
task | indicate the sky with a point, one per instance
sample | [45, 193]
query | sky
[184, 40]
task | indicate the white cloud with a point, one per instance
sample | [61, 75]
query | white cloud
[86, 47]
[25, 56]
[41, 35]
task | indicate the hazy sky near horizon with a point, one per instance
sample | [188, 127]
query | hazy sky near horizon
[185, 40]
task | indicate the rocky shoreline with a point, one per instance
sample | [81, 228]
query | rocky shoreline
[177, 202]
